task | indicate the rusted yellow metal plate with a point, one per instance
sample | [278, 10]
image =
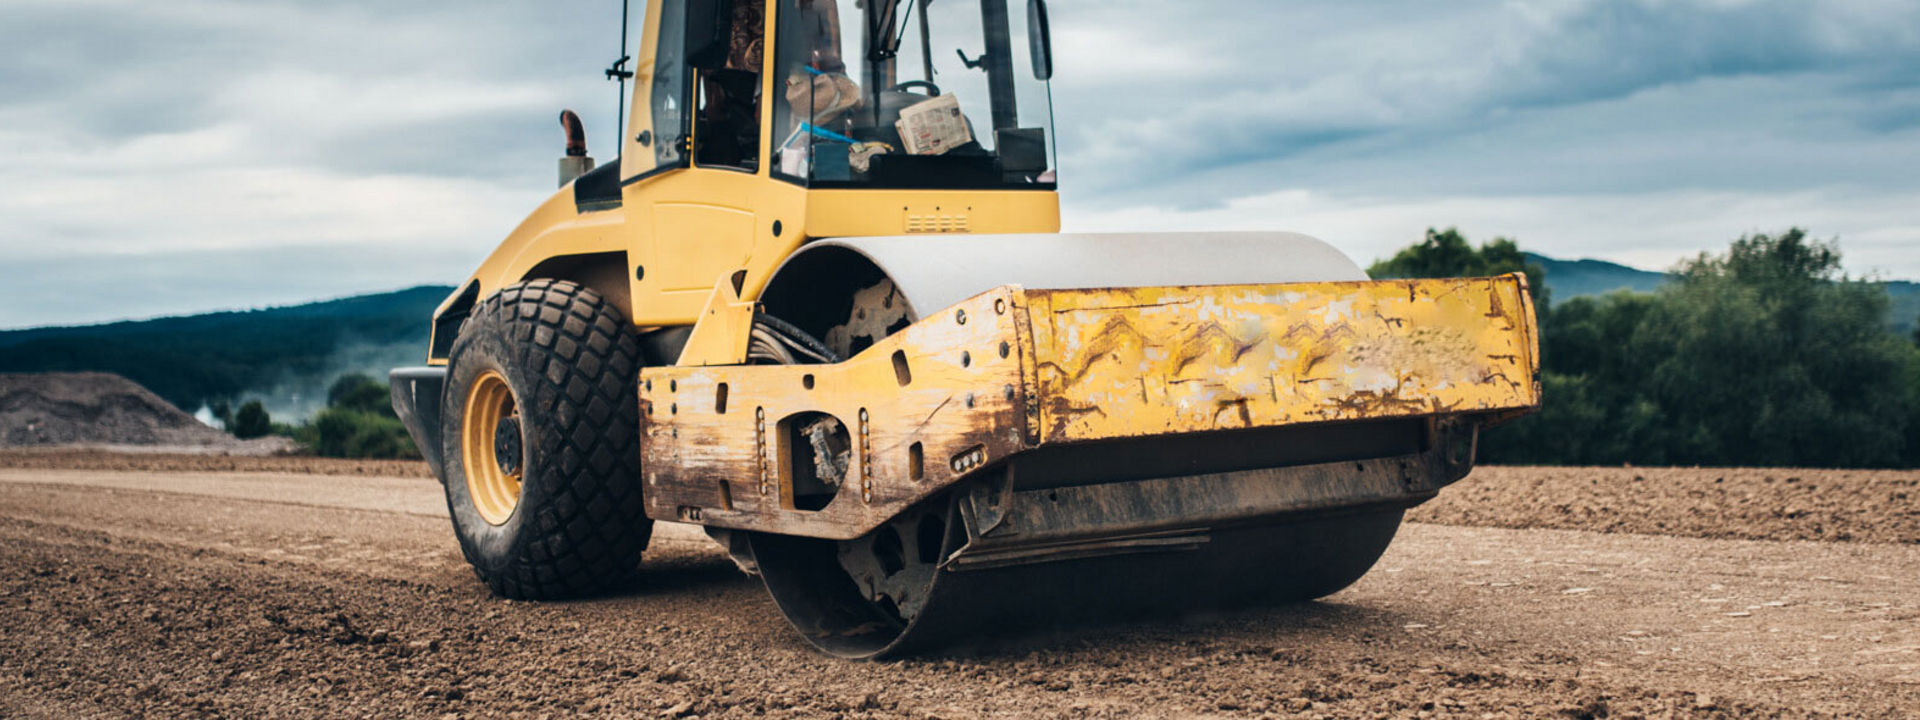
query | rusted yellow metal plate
[1135, 362]
[1011, 370]
[939, 400]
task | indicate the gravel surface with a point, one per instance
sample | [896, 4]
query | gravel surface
[1738, 503]
[1881, 506]
[91, 459]
[291, 595]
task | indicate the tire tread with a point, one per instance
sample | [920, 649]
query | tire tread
[584, 360]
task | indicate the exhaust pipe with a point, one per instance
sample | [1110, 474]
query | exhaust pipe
[576, 162]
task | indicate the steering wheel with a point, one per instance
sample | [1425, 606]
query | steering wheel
[932, 89]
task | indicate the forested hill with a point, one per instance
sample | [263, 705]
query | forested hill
[1569, 279]
[1574, 278]
[287, 356]
[284, 356]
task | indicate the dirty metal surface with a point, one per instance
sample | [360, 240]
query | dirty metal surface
[951, 392]
[1134, 362]
[967, 388]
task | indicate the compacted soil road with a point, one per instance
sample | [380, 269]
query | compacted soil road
[229, 592]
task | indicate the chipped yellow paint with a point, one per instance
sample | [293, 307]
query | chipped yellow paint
[723, 332]
[681, 229]
[730, 464]
[1136, 362]
[1048, 367]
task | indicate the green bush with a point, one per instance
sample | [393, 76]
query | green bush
[361, 393]
[341, 432]
[1447, 254]
[251, 421]
[1764, 355]
[1769, 356]
[358, 422]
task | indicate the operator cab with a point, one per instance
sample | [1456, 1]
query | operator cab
[928, 94]
[863, 94]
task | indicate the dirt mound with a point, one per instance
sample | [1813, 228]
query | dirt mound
[100, 409]
[1720, 503]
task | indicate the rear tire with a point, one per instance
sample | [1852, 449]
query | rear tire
[545, 497]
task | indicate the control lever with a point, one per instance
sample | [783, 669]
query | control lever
[973, 64]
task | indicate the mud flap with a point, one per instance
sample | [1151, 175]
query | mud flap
[416, 399]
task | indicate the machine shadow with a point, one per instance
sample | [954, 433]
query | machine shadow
[1302, 622]
[681, 576]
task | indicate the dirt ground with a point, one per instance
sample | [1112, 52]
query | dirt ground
[85, 459]
[323, 588]
[1722, 503]
[1881, 506]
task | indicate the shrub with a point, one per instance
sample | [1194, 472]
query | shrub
[342, 432]
[251, 421]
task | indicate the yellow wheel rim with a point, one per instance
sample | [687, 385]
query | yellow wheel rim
[490, 445]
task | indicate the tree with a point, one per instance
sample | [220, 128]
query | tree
[1447, 254]
[1769, 355]
[1766, 354]
[361, 394]
[339, 432]
[251, 421]
[1593, 410]
[359, 422]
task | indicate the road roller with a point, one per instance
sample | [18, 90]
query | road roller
[820, 305]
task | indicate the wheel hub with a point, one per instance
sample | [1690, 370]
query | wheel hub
[894, 566]
[491, 448]
[506, 444]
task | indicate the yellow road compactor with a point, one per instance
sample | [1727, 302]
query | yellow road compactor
[820, 305]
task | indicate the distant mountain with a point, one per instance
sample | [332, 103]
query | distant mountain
[1568, 279]
[284, 356]
[1574, 278]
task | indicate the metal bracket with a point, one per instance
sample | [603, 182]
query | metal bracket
[724, 329]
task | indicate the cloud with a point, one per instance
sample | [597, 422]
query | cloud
[205, 154]
[83, 288]
[1335, 83]
[1878, 230]
[209, 153]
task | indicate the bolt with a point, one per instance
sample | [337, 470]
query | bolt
[960, 316]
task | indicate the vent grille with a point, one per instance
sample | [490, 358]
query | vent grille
[936, 223]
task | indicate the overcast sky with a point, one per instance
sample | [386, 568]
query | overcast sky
[190, 155]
